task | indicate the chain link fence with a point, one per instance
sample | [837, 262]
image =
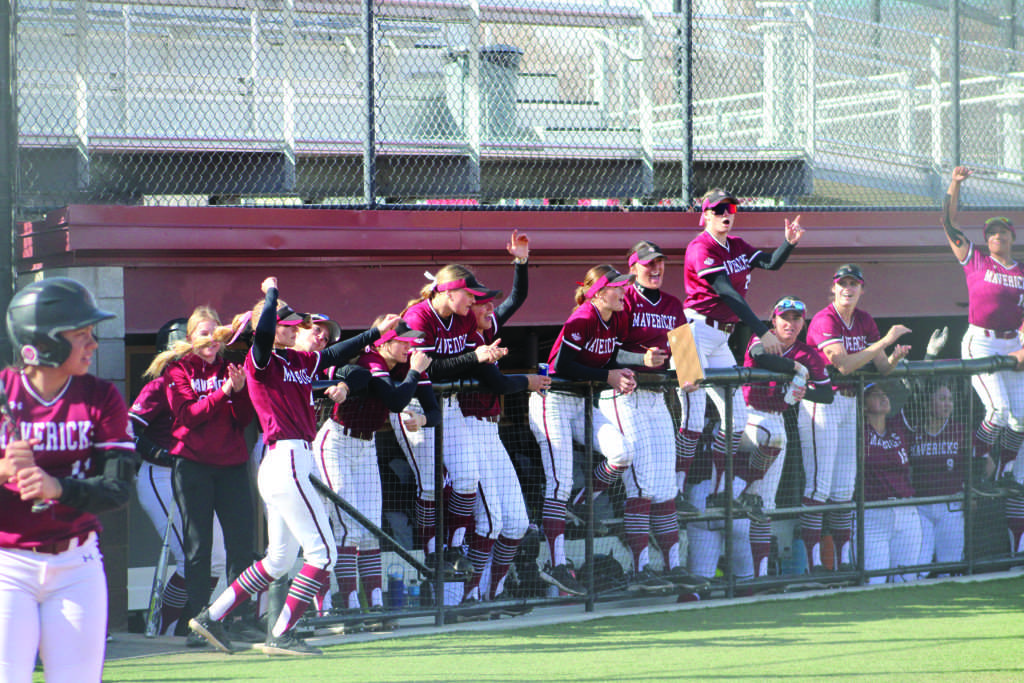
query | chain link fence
[530, 103]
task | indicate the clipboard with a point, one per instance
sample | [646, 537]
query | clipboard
[684, 355]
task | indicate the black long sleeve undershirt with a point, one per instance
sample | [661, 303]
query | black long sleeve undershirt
[567, 367]
[516, 298]
[955, 235]
[497, 382]
[107, 491]
[816, 393]
[720, 283]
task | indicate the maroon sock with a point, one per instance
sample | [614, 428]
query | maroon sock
[172, 601]
[502, 555]
[606, 474]
[346, 574]
[371, 575]
[426, 523]
[479, 554]
[810, 532]
[1015, 521]
[460, 516]
[553, 519]
[760, 546]
[665, 527]
[305, 586]
[636, 520]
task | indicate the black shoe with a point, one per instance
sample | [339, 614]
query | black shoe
[289, 644]
[752, 506]
[684, 508]
[576, 516]
[562, 578]
[514, 607]
[716, 500]
[686, 582]
[457, 565]
[470, 610]
[647, 581]
[212, 631]
[247, 630]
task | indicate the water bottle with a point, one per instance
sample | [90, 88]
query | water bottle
[412, 594]
[799, 381]
[543, 369]
[396, 587]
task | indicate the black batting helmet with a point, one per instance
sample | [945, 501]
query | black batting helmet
[41, 311]
[172, 332]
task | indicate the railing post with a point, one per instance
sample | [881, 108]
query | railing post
[370, 124]
[859, 477]
[588, 449]
[288, 95]
[440, 527]
[730, 509]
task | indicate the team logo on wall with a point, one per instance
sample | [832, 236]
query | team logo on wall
[29, 355]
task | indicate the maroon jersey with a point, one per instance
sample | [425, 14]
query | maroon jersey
[481, 403]
[594, 339]
[209, 425]
[705, 256]
[887, 462]
[995, 293]
[768, 398]
[441, 338]
[650, 323]
[282, 394]
[152, 414]
[364, 413]
[87, 418]
[828, 327]
[937, 461]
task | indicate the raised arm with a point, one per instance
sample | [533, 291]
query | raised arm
[958, 242]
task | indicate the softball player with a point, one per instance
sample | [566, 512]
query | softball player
[346, 454]
[153, 424]
[892, 536]
[995, 311]
[211, 409]
[500, 515]
[938, 446]
[586, 349]
[647, 426]
[764, 439]
[442, 313]
[280, 385]
[848, 338]
[717, 271]
[66, 440]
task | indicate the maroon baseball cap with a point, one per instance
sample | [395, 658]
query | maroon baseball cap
[645, 252]
[848, 270]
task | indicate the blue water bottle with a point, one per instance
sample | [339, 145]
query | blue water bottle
[542, 369]
[396, 587]
[412, 594]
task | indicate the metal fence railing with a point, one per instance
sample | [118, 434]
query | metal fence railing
[800, 102]
[952, 520]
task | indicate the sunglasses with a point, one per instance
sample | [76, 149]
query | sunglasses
[722, 209]
[789, 305]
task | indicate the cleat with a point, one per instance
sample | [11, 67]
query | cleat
[193, 639]
[514, 607]
[687, 582]
[685, 508]
[576, 514]
[562, 578]
[212, 631]
[289, 644]
[457, 565]
[247, 630]
[753, 506]
[647, 581]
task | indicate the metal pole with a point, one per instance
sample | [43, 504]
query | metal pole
[370, 143]
[954, 81]
[730, 508]
[588, 449]
[684, 94]
[861, 470]
[8, 165]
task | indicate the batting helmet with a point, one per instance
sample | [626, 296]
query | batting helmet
[172, 332]
[41, 311]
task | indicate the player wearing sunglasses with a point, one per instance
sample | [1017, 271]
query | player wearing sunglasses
[716, 275]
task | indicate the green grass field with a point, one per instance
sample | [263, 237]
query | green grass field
[950, 631]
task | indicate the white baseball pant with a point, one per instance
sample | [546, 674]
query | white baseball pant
[1001, 392]
[892, 538]
[942, 532]
[460, 459]
[713, 348]
[828, 442]
[557, 420]
[500, 508]
[648, 432]
[766, 430]
[296, 516]
[56, 605]
[706, 540]
[349, 466]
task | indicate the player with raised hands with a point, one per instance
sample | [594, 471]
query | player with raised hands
[995, 311]
[53, 592]
[717, 271]
[848, 338]
[280, 385]
[442, 313]
[346, 454]
[586, 349]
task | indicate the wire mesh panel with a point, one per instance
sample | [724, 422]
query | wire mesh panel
[642, 102]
